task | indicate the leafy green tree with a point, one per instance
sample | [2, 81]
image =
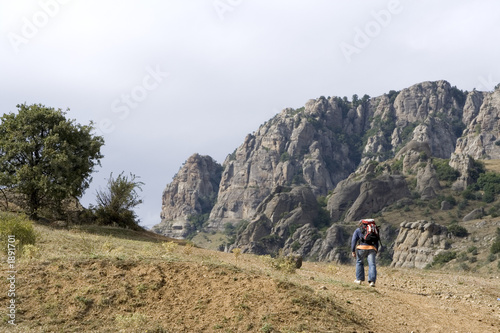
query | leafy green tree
[115, 204]
[45, 156]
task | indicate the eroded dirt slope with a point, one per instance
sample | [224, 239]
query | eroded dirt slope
[217, 295]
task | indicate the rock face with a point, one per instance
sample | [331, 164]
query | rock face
[427, 182]
[277, 218]
[417, 244]
[355, 155]
[482, 119]
[376, 194]
[192, 192]
[365, 193]
[294, 148]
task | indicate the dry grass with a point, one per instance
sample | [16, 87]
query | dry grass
[492, 165]
[97, 279]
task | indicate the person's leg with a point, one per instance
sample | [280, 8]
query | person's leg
[360, 267]
[372, 266]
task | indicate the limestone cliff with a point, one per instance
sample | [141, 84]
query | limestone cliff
[314, 146]
[191, 193]
[481, 137]
[277, 218]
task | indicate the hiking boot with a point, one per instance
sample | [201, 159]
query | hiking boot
[372, 284]
[357, 281]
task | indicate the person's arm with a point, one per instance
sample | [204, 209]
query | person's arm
[354, 241]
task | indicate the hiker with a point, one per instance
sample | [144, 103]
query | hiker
[368, 236]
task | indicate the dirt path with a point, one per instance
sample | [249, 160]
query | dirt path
[424, 301]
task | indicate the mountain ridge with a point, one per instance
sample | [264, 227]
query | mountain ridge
[362, 156]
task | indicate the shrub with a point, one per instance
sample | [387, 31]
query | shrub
[30, 251]
[444, 171]
[472, 250]
[469, 194]
[287, 264]
[489, 196]
[489, 181]
[443, 257]
[463, 204]
[397, 165]
[458, 231]
[237, 252]
[495, 247]
[115, 204]
[322, 219]
[285, 157]
[451, 200]
[16, 225]
[169, 247]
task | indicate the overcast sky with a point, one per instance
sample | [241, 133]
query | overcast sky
[165, 79]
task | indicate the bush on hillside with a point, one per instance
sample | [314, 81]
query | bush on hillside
[18, 226]
[444, 171]
[457, 230]
[495, 247]
[443, 257]
[115, 204]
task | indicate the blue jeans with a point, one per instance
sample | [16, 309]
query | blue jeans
[372, 266]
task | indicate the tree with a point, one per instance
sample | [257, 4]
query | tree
[45, 156]
[115, 204]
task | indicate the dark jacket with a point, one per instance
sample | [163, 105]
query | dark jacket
[358, 235]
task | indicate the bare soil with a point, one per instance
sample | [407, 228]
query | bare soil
[87, 282]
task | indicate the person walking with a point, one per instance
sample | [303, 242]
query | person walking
[367, 234]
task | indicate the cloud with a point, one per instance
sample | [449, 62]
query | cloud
[229, 74]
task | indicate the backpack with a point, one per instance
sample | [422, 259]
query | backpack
[370, 231]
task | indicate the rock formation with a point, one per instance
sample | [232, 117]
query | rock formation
[481, 137]
[191, 193]
[277, 218]
[417, 244]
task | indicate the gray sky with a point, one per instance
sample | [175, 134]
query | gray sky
[165, 79]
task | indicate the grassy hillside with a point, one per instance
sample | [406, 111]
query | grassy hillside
[99, 279]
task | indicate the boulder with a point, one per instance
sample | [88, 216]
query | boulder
[417, 243]
[475, 214]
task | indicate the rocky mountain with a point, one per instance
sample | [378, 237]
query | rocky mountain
[298, 181]
[190, 194]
